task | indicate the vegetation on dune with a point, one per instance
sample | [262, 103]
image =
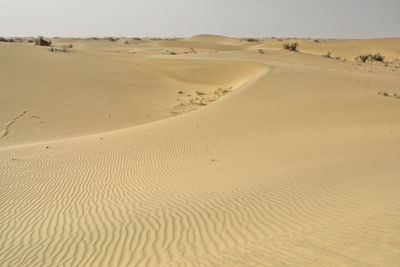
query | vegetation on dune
[64, 49]
[40, 41]
[370, 58]
[112, 39]
[252, 40]
[293, 47]
[384, 93]
[6, 40]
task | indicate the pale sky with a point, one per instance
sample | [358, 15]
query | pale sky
[180, 18]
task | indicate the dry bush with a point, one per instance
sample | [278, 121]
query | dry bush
[111, 39]
[293, 47]
[7, 40]
[252, 40]
[64, 49]
[370, 58]
[40, 41]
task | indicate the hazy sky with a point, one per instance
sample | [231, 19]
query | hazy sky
[168, 18]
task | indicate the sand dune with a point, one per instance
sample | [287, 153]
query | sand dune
[83, 92]
[347, 49]
[296, 164]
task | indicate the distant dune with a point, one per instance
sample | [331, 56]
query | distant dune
[205, 151]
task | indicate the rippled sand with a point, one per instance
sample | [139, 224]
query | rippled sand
[208, 151]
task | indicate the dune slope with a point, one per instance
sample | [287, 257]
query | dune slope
[56, 95]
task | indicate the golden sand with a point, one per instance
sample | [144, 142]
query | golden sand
[207, 151]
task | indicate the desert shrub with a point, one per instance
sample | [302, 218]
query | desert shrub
[252, 40]
[377, 57]
[136, 39]
[7, 40]
[112, 39]
[293, 47]
[363, 58]
[370, 57]
[42, 42]
[64, 49]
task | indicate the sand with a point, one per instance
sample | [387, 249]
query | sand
[206, 151]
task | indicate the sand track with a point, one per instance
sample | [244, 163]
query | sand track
[6, 130]
[297, 167]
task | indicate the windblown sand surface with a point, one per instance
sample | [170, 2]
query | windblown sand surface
[207, 151]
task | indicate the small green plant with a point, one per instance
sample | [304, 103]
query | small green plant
[40, 41]
[293, 47]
